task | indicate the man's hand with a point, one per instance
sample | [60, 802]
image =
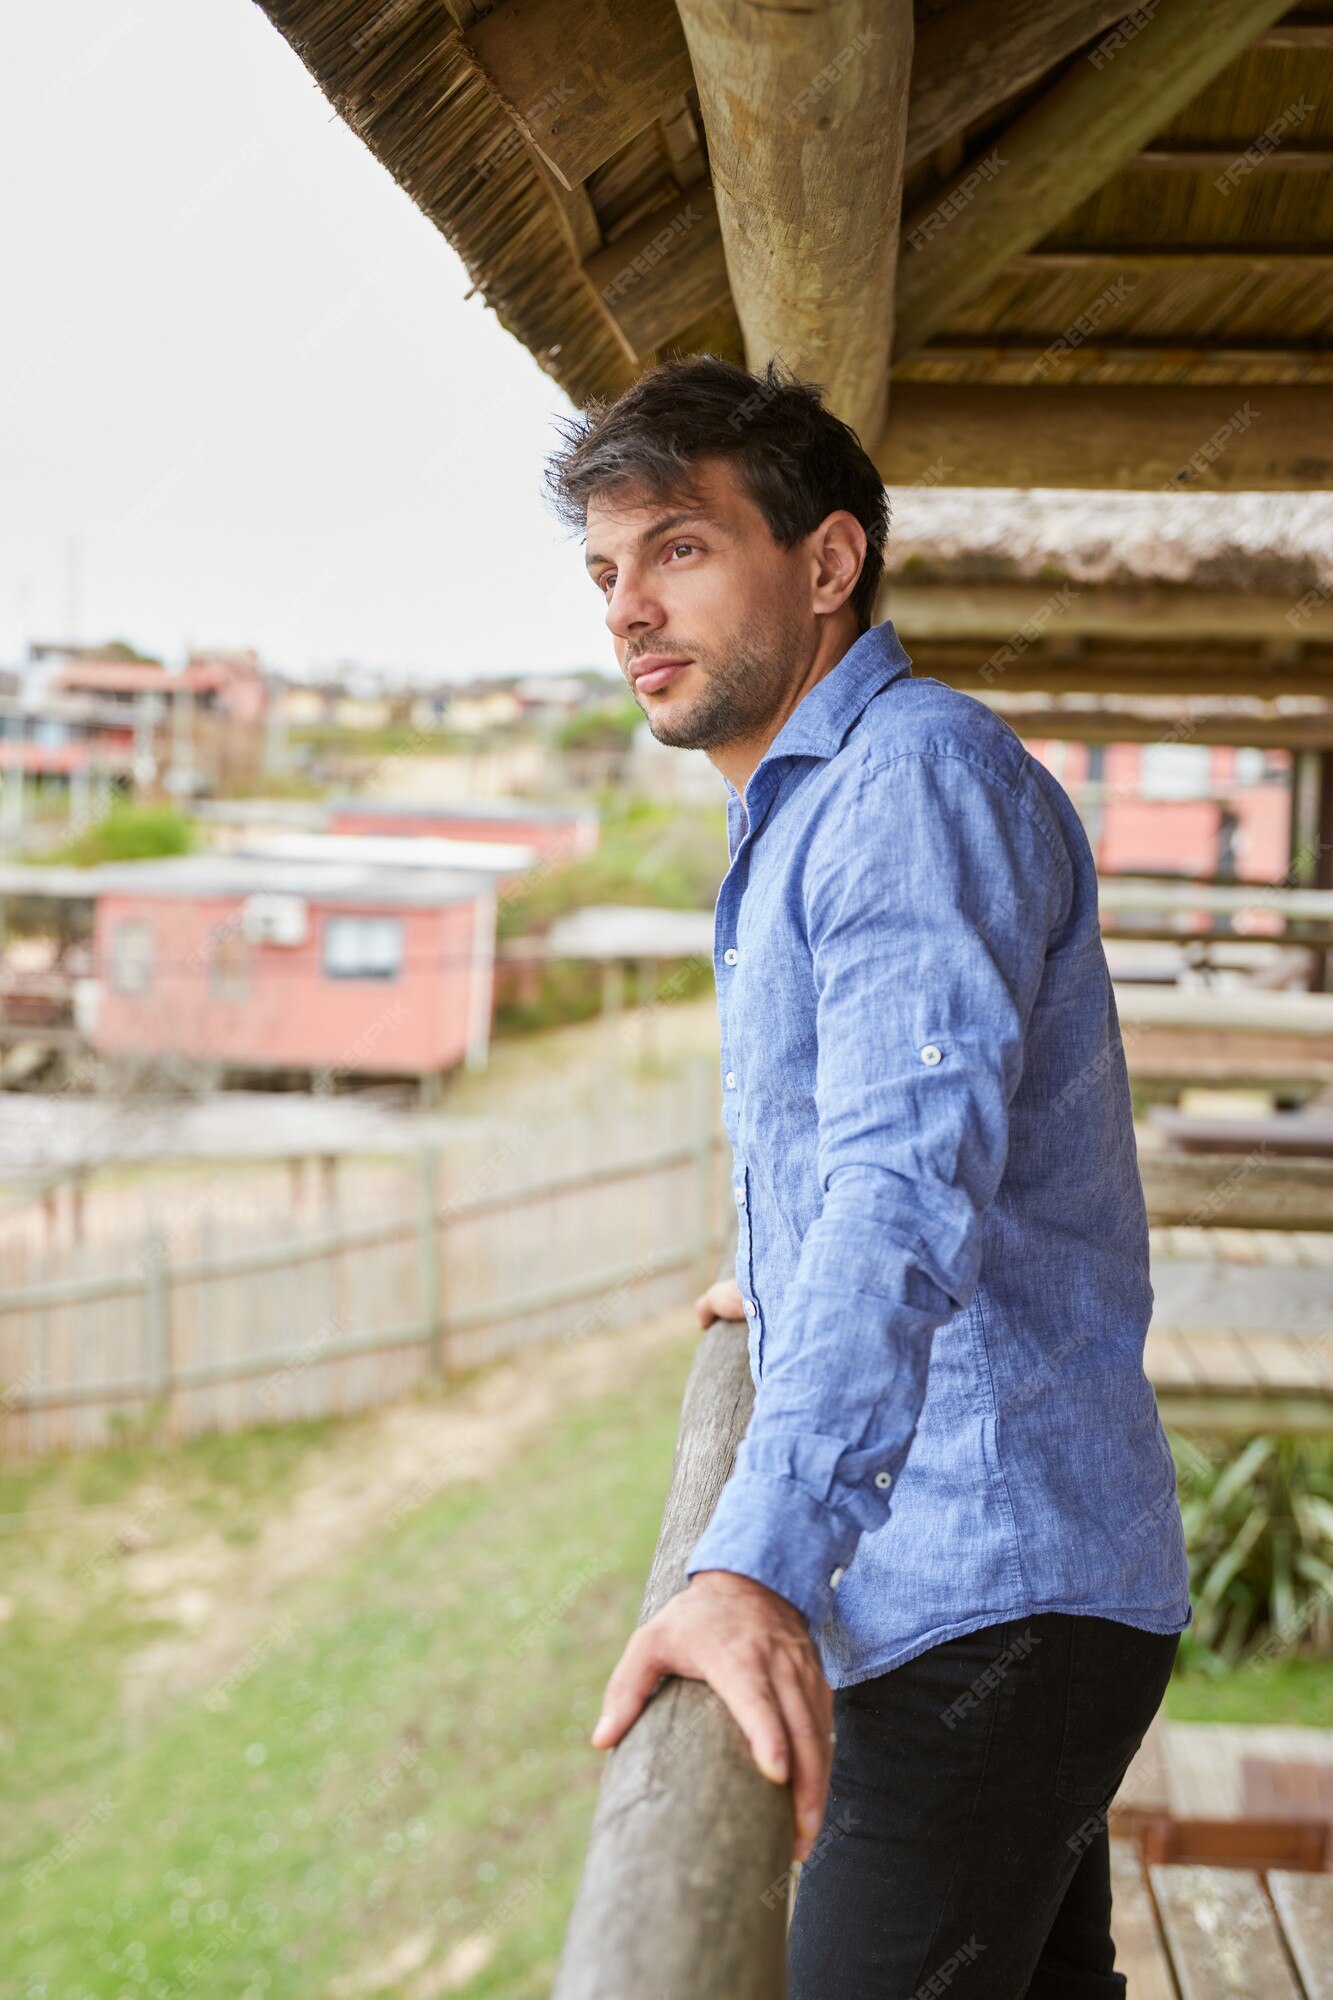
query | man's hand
[721, 1301]
[754, 1650]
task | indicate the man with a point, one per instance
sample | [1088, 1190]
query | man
[952, 1527]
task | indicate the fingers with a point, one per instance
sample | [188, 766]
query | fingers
[721, 1301]
[748, 1693]
[634, 1678]
[807, 1716]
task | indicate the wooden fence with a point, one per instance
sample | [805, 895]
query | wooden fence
[511, 1237]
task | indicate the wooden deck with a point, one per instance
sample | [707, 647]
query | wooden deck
[1187, 1930]
[1242, 1333]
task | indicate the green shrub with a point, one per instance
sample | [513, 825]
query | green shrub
[129, 832]
[1259, 1528]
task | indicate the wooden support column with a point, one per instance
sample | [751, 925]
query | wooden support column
[806, 117]
[1106, 107]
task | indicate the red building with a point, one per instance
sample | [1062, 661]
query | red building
[261, 966]
[1179, 808]
[556, 833]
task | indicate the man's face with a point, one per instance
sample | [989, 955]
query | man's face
[712, 621]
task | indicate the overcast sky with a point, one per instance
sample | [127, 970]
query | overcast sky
[242, 399]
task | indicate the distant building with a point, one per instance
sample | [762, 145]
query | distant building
[254, 965]
[110, 715]
[557, 833]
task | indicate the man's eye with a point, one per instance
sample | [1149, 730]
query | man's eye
[607, 576]
[683, 545]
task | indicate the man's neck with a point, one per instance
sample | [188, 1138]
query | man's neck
[738, 760]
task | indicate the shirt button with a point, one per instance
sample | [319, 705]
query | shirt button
[731, 1079]
[884, 1480]
[931, 1055]
[837, 1577]
[739, 1193]
[730, 955]
[751, 1307]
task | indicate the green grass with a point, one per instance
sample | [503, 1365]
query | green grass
[1297, 1690]
[405, 1748]
[398, 1764]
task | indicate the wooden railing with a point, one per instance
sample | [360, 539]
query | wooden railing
[686, 1884]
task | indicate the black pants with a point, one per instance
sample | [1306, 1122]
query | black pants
[964, 1850]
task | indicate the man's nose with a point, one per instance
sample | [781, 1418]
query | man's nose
[631, 608]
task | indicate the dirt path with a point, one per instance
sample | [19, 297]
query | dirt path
[226, 1602]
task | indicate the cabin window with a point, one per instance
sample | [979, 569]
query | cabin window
[363, 947]
[1176, 771]
[131, 956]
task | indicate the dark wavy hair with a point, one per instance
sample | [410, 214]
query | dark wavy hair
[794, 458]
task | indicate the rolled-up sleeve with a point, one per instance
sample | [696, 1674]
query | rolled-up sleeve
[931, 890]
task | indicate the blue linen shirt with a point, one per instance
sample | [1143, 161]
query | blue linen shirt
[942, 1240]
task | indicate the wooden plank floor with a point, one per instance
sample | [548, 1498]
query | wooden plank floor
[1222, 1935]
[1207, 1933]
[1242, 1329]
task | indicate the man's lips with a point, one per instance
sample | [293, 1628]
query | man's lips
[655, 673]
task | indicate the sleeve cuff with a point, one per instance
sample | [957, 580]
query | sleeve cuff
[771, 1529]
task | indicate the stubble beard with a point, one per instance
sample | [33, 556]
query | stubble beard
[743, 689]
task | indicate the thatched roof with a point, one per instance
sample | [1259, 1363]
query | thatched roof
[1116, 223]
[1277, 543]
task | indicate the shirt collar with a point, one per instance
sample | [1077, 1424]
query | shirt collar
[819, 723]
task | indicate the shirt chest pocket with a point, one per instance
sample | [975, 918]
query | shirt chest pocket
[771, 1006]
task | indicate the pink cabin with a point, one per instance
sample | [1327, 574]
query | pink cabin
[556, 833]
[263, 966]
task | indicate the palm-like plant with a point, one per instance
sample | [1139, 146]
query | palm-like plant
[1259, 1527]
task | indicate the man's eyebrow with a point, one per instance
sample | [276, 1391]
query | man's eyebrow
[656, 528]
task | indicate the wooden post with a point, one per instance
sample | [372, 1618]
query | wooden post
[428, 1263]
[157, 1324]
[701, 1124]
[806, 114]
[685, 1888]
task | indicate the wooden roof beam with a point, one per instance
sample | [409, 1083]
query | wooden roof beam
[665, 272]
[956, 611]
[1099, 114]
[1254, 437]
[974, 54]
[581, 78]
[1127, 673]
[1040, 721]
[806, 117]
